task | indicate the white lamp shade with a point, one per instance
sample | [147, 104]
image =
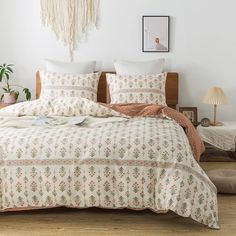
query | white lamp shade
[215, 96]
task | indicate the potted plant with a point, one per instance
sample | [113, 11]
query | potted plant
[10, 95]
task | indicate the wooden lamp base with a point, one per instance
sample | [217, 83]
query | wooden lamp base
[218, 123]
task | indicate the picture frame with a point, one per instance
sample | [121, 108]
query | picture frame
[190, 113]
[155, 33]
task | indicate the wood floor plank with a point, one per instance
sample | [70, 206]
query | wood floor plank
[96, 222]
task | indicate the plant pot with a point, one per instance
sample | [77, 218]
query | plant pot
[9, 98]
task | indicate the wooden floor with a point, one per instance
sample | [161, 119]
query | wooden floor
[98, 222]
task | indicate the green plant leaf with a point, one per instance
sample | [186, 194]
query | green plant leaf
[9, 69]
[7, 76]
[16, 94]
[2, 74]
[1, 97]
[27, 93]
[9, 90]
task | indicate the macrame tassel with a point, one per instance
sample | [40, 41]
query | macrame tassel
[88, 14]
[69, 19]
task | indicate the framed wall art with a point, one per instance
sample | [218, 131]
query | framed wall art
[190, 113]
[156, 33]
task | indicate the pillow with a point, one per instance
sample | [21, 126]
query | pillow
[72, 68]
[137, 88]
[139, 68]
[58, 85]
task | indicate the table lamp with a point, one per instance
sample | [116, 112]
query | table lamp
[215, 96]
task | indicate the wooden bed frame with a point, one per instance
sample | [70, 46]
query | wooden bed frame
[172, 89]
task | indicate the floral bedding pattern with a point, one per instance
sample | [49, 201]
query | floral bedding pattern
[148, 89]
[58, 85]
[138, 163]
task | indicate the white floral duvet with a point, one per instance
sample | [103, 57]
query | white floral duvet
[115, 162]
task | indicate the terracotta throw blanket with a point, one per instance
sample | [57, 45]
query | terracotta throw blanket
[133, 110]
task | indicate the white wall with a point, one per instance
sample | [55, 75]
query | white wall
[203, 43]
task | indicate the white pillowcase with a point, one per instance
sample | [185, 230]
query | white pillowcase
[72, 68]
[149, 89]
[139, 67]
[59, 85]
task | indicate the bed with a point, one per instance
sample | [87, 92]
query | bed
[110, 161]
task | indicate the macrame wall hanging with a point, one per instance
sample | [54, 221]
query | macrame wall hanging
[70, 19]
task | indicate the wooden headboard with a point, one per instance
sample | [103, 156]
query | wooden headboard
[172, 89]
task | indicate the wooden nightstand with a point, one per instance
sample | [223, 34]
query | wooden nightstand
[2, 105]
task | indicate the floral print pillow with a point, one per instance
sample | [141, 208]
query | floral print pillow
[59, 85]
[148, 89]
